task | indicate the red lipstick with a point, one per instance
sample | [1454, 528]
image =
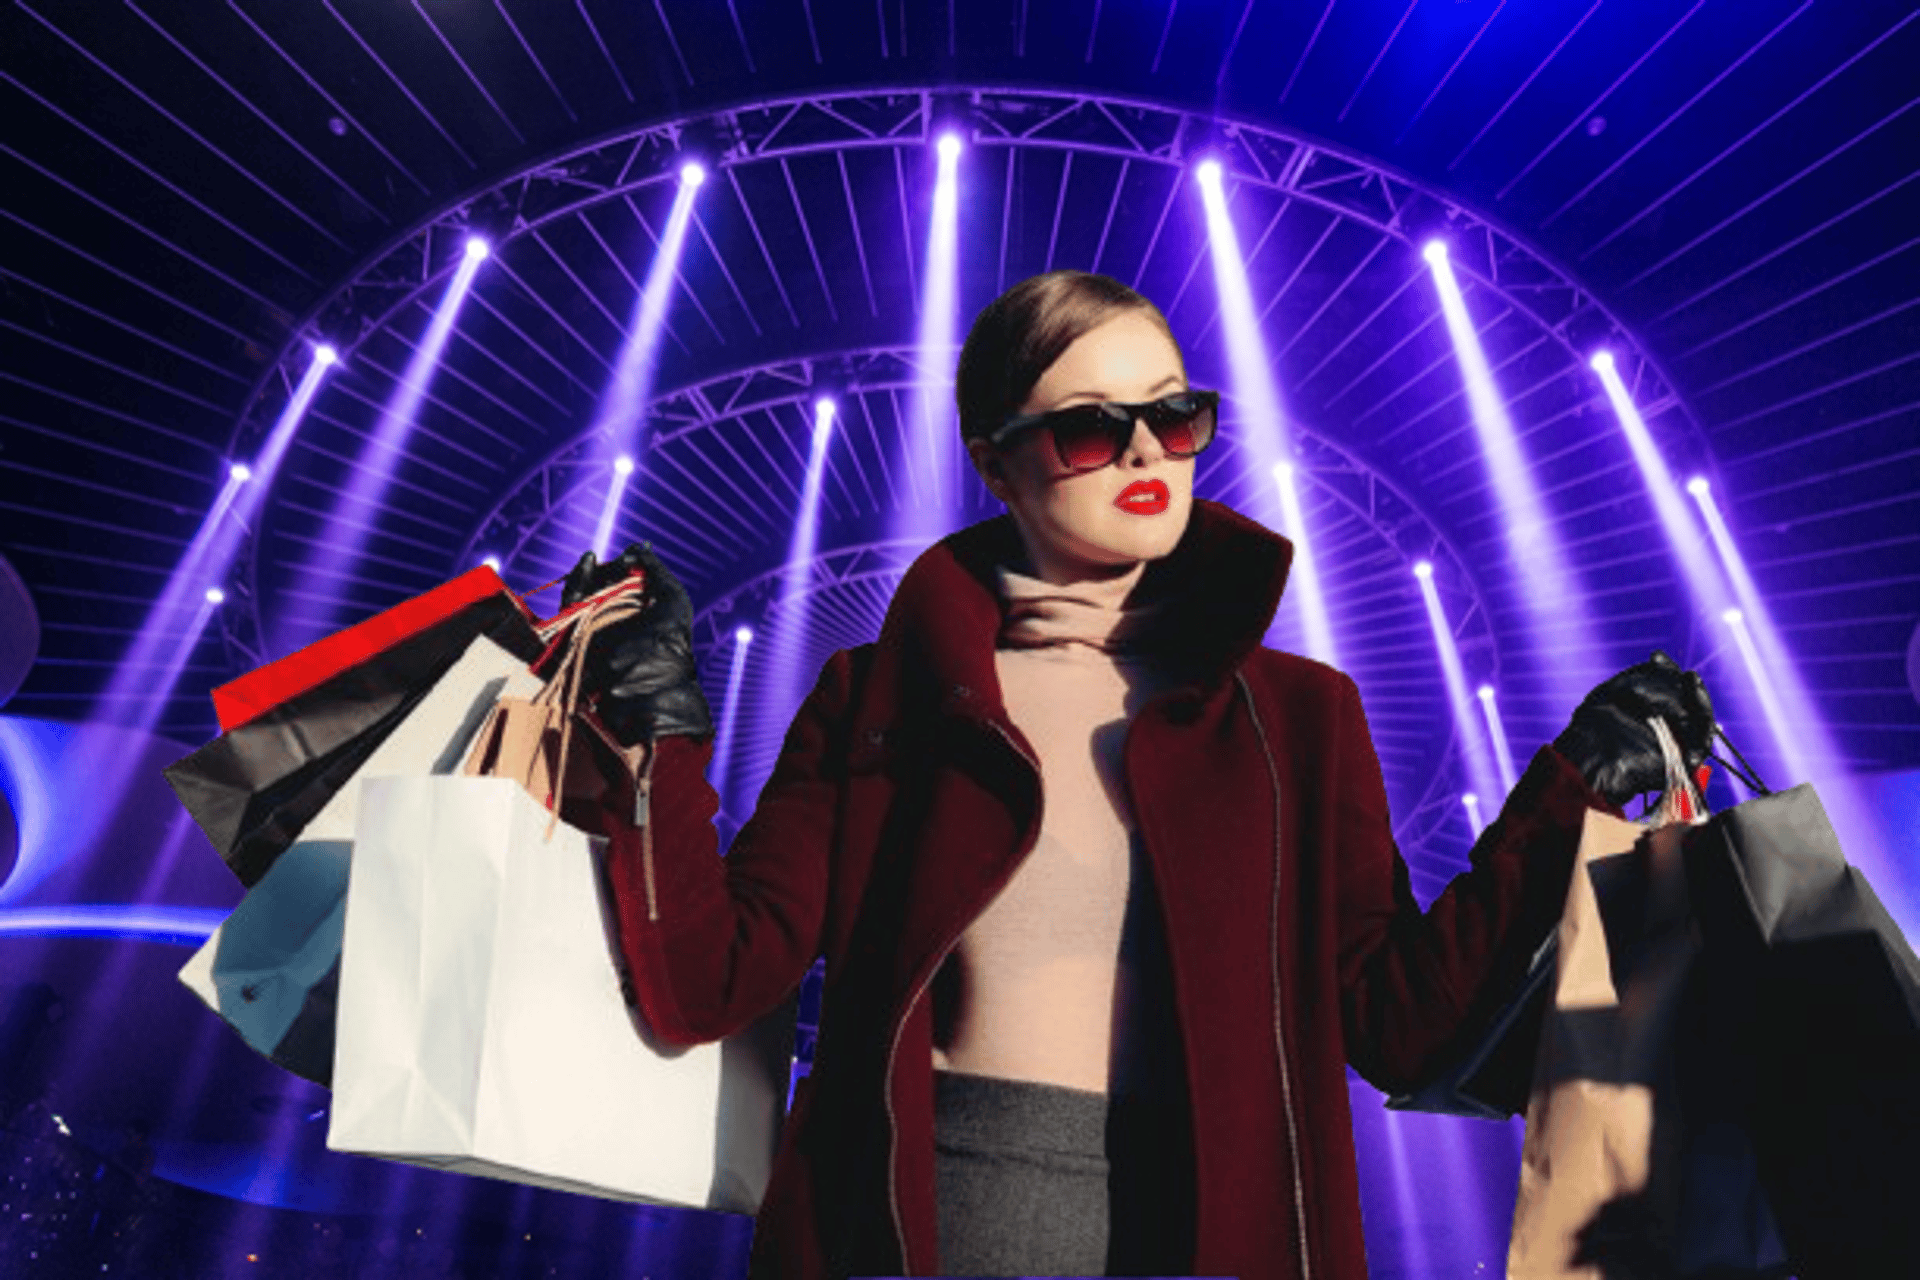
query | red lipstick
[1143, 498]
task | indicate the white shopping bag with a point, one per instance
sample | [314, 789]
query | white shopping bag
[269, 969]
[482, 1025]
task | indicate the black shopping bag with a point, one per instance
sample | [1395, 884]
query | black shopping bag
[1817, 1000]
[253, 788]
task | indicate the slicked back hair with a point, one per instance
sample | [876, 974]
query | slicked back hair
[1022, 332]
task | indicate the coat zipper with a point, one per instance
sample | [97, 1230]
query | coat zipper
[643, 818]
[899, 1028]
[1279, 1035]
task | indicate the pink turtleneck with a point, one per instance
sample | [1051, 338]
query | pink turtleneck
[1063, 978]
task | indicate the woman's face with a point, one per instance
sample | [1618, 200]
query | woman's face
[1073, 525]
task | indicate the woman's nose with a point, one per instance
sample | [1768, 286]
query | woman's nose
[1144, 447]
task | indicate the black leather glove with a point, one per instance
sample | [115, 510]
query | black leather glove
[640, 676]
[1610, 741]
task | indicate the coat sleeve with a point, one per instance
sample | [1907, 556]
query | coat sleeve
[1417, 988]
[713, 943]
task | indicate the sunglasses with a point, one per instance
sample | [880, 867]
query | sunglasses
[1090, 436]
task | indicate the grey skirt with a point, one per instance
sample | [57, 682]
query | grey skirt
[1038, 1179]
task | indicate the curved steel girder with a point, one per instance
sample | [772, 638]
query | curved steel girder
[1305, 169]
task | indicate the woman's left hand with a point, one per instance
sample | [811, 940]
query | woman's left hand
[1609, 739]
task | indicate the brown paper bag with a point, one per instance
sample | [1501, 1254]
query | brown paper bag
[1601, 1165]
[550, 744]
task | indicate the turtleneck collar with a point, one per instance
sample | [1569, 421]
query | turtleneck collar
[946, 614]
[1040, 614]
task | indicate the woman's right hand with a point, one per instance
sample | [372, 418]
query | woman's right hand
[640, 675]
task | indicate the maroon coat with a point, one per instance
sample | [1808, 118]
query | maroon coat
[904, 798]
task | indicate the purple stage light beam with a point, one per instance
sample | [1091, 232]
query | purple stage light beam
[729, 716]
[1254, 389]
[341, 545]
[141, 684]
[1703, 579]
[617, 421]
[1562, 632]
[1466, 724]
[138, 690]
[610, 509]
[794, 598]
[1800, 735]
[1497, 734]
[1803, 745]
[932, 430]
[1475, 822]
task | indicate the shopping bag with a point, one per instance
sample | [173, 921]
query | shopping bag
[1817, 997]
[247, 698]
[551, 743]
[483, 1027]
[254, 788]
[1601, 1166]
[271, 969]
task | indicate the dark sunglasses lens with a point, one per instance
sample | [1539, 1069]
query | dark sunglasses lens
[1183, 423]
[1084, 436]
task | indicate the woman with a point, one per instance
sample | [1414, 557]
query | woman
[1107, 890]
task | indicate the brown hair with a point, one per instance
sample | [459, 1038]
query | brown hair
[1023, 331]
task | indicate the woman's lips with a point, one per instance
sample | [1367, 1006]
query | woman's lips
[1143, 498]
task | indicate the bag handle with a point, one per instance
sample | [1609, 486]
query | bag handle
[1751, 777]
[1681, 801]
[561, 693]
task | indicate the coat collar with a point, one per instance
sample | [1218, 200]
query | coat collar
[1228, 570]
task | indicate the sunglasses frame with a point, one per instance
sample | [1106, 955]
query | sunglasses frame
[1209, 402]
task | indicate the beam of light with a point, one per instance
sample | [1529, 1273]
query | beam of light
[1476, 823]
[785, 675]
[1409, 1195]
[181, 925]
[1265, 432]
[337, 551]
[729, 717]
[622, 474]
[1803, 745]
[1497, 734]
[1703, 580]
[138, 690]
[931, 430]
[1305, 573]
[1562, 632]
[1800, 735]
[624, 402]
[1480, 774]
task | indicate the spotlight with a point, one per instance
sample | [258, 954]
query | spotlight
[492, 562]
[1283, 472]
[476, 247]
[1602, 362]
[324, 354]
[1732, 617]
[824, 405]
[1434, 251]
[949, 146]
[743, 635]
[692, 174]
[1697, 486]
[1209, 172]
[623, 464]
[215, 595]
[1423, 569]
[1484, 691]
[240, 471]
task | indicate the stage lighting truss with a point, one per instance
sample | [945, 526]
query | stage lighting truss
[693, 404]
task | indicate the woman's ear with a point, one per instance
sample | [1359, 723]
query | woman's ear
[993, 472]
